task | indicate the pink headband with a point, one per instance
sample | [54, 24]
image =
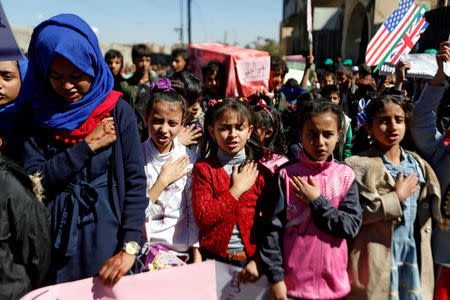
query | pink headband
[263, 104]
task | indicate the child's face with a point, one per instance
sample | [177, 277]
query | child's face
[214, 84]
[264, 134]
[343, 81]
[164, 123]
[142, 64]
[388, 126]
[276, 79]
[115, 64]
[328, 80]
[10, 81]
[334, 97]
[192, 110]
[69, 82]
[319, 135]
[178, 63]
[230, 132]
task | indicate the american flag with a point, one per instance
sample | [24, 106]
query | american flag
[410, 38]
[389, 33]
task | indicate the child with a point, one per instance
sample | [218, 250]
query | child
[331, 92]
[136, 89]
[228, 187]
[316, 209]
[214, 80]
[194, 118]
[269, 128]
[85, 144]
[168, 165]
[12, 74]
[399, 194]
[435, 148]
[327, 79]
[114, 60]
[180, 60]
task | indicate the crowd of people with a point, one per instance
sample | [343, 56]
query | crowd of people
[335, 189]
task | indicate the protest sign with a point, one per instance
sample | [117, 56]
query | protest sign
[423, 65]
[195, 281]
[229, 288]
[8, 46]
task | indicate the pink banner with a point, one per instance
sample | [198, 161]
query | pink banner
[195, 281]
[236, 85]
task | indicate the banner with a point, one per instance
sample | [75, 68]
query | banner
[209, 280]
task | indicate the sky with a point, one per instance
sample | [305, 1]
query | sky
[154, 21]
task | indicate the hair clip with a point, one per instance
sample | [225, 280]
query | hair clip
[162, 85]
[361, 115]
[263, 104]
[243, 99]
[212, 102]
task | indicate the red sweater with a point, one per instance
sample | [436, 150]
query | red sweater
[216, 211]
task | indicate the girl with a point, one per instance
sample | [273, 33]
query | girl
[399, 194]
[270, 132]
[228, 186]
[168, 165]
[12, 74]
[85, 144]
[316, 209]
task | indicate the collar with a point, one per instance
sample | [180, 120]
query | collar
[318, 166]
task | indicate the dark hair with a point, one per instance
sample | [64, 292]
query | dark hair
[112, 53]
[184, 53]
[275, 143]
[193, 86]
[343, 70]
[253, 147]
[364, 70]
[174, 97]
[303, 98]
[277, 63]
[291, 83]
[140, 50]
[212, 67]
[319, 106]
[378, 104]
[328, 90]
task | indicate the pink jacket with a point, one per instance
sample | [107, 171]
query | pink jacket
[315, 255]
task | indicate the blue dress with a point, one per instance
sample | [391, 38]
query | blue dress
[84, 225]
[405, 274]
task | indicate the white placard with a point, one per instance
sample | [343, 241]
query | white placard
[229, 288]
[253, 69]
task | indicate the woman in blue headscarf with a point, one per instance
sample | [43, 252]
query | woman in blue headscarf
[85, 144]
[12, 74]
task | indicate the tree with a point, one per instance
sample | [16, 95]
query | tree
[265, 44]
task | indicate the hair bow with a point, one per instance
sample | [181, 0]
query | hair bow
[213, 102]
[263, 104]
[243, 99]
[361, 115]
[162, 85]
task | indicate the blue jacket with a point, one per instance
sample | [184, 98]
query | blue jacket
[127, 181]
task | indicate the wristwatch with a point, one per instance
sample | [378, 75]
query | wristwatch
[131, 247]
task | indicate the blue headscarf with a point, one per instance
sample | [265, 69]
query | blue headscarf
[71, 37]
[8, 111]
